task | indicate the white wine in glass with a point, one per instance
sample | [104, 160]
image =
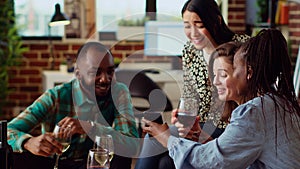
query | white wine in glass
[105, 142]
[98, 159]
[63, 136]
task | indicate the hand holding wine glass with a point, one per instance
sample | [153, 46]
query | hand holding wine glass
[105, 142]
[63, 136]
[187, 111]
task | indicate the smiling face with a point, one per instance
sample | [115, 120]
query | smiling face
[230, 80]
[96, 72]
[197, 33]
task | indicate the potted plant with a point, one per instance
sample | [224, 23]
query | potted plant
[131, 29]
[63, 67]
[11, 48]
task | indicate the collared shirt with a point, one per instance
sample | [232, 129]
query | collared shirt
[250, 140]
[68, 100]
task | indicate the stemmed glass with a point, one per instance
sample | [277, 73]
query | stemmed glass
[105, 142]
[63, 136]
[98, 159]
[187, 111]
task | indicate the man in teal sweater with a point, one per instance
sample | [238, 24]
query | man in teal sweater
[92, 104]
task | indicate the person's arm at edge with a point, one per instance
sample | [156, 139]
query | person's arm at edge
[237, 147]
[18, 129]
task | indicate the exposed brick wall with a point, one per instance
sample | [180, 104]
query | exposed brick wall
[294, 29]
[26, 80]
[237, 15]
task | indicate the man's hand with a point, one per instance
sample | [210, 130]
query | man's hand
[74, 124]
[43, 145]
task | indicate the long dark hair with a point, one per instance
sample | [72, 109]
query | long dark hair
[211, 17]
[268, 57]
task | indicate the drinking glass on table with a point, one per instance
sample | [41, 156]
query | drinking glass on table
[98, 159]
[105, 142]
[187, 111]
[63, 136]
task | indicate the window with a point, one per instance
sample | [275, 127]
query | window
[110, 12]
[33, 16]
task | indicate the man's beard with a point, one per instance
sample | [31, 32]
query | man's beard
[91, 92]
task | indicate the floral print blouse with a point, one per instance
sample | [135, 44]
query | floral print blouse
[196, 82]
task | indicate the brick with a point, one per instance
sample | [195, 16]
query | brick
[240, 17]
[17, 80]
[240, 2]
[38, 63]
[35, 80]
[12, 71]
[61, 47]
[241, 9]
[18, 96]
[29, 88]
[236, 25]
[75, 47]
[294, 7]
[122, 47]
[30, 55]
[13, 87]
[38, 47]
[295, 34]
[134, 56]
[138, 47]
[45, 55]
[30, 72]
[117, 55]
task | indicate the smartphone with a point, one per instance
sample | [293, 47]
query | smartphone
[153, 116]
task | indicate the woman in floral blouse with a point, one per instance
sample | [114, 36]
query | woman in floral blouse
[206, 29]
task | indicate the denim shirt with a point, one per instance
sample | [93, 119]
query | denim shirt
[247, 142]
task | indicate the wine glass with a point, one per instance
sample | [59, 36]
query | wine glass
[105, 142]
[187, 111]
[98, 159]
[63, 136]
